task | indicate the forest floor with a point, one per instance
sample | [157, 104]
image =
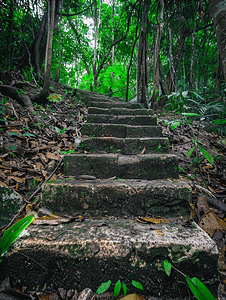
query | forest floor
[32, 151]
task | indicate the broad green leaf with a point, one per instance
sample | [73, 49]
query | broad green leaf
[207, 155]
[137, 285]
[181, 169]
[2, 120]
[58, 130]
[117, 288]
[190, 152]
[219, 121]
[12, 147]
[199, 290]
[13, 133]
[185, 93]
[12, 233]
[124, 288]
[191, 114]
[175, 124]
[29, 134]
[62, 131]
[167, 267]
[103, 287]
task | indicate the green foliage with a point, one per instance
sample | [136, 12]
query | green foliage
[12, 233]
[60, 132]
[117, 288]
[199, 290]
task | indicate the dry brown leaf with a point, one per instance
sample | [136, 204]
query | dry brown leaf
[132, 297]
[53, 156]
[3, 184]
[17, 179]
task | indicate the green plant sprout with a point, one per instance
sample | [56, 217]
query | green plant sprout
[12, 233]
[60, 132]
[105, 286]
[199, 290]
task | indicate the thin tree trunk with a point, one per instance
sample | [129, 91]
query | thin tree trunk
[142, 80]
[96, 26]
[218, 12]
[191, 81]
[156, 77]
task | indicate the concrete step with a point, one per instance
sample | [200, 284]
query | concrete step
[112, 104]
[121, 130]
[149, 166]
[86, 253]
[129, 120]
[168, 198]
[125, 145]
[120, 111]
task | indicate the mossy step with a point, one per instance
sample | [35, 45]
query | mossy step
[112, 104]
[129, 120]
[120, 111]
[121, 130]
[118, 197]
[149, 166]
[96, 250]
[125, 145]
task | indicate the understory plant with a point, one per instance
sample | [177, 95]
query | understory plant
[199, 290]
[105, 286]
[13, 232]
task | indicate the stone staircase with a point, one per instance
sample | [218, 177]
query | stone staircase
[122, 171]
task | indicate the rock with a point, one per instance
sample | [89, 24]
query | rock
[86, 294]
[10, 202]
[62, 293]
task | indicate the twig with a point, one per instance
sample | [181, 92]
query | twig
[205, 190]
[34, 261]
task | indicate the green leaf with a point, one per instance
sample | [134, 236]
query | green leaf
[58, 130]
[191, 114]
[181, 169]
[12, 233]
[12, 147]
[175, 124]
[29, 134]
[167, 267]
[137, 285]
[13, 133]
[103, 287]
[2, 120]
[124, 288]
[190, 152]
[207, 155]
[62, 131]
[117, 288]
[219, 121]
[200, 291]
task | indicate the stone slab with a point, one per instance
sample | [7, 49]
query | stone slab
[125, 146]
[85, 253]
[10, 202]
[121, 130]
[118, 197]
[130, 120]
[120, 111]
[149, 166]
[113, 104]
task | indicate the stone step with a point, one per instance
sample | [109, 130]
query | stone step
[129, 120]
[168, 198]
[86, 253]
[149, 166]
[125, 145]
[112, 104]
[121, 130]
[120, 111]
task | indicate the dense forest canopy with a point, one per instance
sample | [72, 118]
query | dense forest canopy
[162, 52]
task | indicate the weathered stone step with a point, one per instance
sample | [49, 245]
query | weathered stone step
[129, 120]
[85, 253]
[121, 130]
[149, 166]
[125, 145]
[120, 111]
[113, 104]
[169, 198]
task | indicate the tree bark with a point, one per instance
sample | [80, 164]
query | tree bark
[142, 80]
[155, 103]
[218, 12]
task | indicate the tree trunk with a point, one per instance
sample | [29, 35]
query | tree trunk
[191, 81]
[96, 26]
[155, 103]
[142, 80]
[218, 12]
